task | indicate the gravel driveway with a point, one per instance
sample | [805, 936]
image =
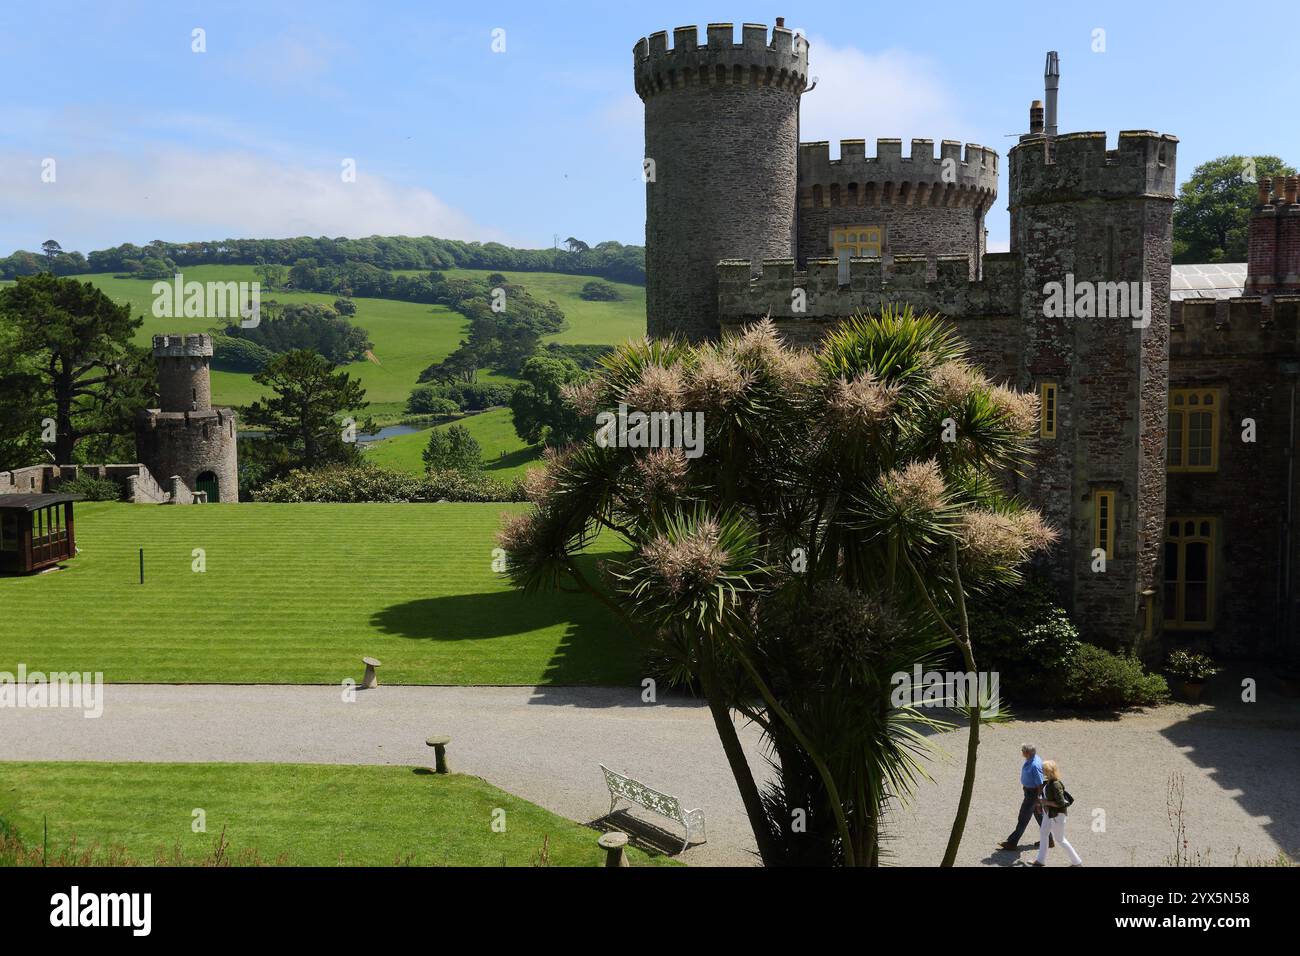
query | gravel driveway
[1239, 764]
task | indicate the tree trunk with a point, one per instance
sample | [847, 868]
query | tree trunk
[64, 440]
[967, 790]
[736, 758]
[973, 711]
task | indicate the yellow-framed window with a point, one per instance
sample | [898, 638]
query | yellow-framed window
[1194, 429]
[1189, 572]
[1103, 522]
[857, 241]
[1047, 409]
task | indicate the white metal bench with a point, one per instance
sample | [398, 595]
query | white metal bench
[624, 787]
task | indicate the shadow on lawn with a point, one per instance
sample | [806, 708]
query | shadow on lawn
[521, 456]
[594, 648]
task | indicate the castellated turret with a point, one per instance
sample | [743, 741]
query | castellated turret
[1091, 221]
[186, 438]
[890, 204]
[721, 155]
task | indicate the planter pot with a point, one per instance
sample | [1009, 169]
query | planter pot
[1193, 690]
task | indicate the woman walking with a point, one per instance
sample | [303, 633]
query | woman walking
[1054, 802]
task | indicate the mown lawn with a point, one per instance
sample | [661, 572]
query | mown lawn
[504, 453]
[295, 814]
[298, 594]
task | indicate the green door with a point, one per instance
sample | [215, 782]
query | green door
[207, 481]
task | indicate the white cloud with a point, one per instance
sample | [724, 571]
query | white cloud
[185, 194]
[891, 94]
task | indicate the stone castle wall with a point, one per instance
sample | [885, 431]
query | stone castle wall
[137, 484]
[1252, 357]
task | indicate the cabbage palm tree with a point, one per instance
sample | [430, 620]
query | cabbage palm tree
[845, 502]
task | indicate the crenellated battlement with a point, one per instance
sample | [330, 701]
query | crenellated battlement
[193, 345]
[1078, 165]
[1248, 325]
[220, 419]
[777, 61]
[921, 178]
[744, 296]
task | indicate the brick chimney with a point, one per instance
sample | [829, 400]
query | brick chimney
[1273, 244]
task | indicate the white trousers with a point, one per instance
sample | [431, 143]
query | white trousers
[1056, 827]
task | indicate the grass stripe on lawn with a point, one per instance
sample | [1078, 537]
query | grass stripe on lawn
[298, 594]
[296, 814]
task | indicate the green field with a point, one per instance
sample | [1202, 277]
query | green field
[407, 336]
[590, 323]
[299, 594]
[504, 453]
[295, 814]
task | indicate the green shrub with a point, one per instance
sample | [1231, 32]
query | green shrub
[1023, 634]
[353, 484]
[469, 486]
[1099, 679]
[598, 290]
[466, 396]
[586, 357]
[425, 401]
[239, 355]
[1189, 667]
[91, 488]
[478, 396]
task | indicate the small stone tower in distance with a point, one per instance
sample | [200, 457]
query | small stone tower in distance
[186, 438]
[721, 155]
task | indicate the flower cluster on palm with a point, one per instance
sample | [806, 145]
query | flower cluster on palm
[846, 500]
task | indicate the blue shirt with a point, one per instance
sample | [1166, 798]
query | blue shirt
[1031, 774]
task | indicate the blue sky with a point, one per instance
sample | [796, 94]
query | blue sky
[154, 141]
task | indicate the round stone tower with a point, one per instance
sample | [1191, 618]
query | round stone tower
[721, 159]
[186, 438]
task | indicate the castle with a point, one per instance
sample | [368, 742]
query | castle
[1168, 427]
[186, 448]
[185, 437]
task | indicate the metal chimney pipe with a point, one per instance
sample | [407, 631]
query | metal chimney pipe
[1051, 80]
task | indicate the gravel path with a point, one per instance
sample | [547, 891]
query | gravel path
[1240, 764]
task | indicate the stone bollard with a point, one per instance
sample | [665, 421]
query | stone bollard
[613, 843]
[439, 745]
[371, 679]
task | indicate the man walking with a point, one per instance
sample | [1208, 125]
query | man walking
[1031, 780]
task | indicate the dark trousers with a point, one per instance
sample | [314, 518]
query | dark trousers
[1028, 808]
